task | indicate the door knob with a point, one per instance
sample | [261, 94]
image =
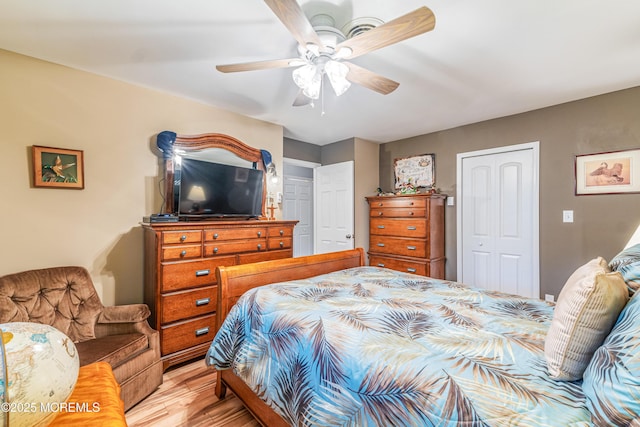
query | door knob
[348, 236]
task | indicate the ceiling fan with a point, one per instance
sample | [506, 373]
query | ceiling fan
[324, 50]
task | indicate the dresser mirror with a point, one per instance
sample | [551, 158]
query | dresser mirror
[212, 147]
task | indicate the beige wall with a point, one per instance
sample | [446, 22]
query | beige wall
[603, 223]
[115, 124]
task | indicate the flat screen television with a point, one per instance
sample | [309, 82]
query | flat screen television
[208, 190]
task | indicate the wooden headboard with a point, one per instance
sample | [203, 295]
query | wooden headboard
[233, 281]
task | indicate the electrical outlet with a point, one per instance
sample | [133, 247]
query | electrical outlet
[549, 298]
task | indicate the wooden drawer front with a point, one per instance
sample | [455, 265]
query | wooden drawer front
[264, 256]
[398, 212]
[397, 246]
[184, 275]
[280, 232]
[186, 304]
[187, 334]
[224, 248]
[215, 235]
[283, 243]
[398, 227]
[174, 253]
[399, 202]
[173, 237]
[399, 265]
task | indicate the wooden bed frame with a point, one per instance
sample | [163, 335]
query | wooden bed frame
[235, 280]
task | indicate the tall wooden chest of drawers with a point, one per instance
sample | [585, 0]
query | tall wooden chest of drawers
[406, 233]
[180, 275]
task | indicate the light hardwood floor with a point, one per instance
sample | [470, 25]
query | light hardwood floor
[187, 399]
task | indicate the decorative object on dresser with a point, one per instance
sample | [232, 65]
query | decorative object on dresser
[413, 172]
[406, 233]
[181, 257]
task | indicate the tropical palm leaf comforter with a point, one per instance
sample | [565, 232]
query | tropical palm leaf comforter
[373, 347]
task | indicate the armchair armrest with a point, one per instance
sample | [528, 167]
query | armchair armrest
[131, 313]
[126, 319]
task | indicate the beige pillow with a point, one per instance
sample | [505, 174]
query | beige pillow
[587, 308]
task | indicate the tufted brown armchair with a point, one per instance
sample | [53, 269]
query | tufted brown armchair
[65, 298]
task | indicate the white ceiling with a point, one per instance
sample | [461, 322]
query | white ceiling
[484, 59]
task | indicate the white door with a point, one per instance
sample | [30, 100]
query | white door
[298, 205]
[333, 207]
[498, 219]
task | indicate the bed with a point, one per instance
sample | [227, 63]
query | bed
[325, 341]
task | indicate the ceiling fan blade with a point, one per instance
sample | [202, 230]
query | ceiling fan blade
[292, 16]
[410, 25]
[260, 65]
[301, 100]
[370, 80]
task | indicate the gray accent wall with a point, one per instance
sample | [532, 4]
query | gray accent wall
[602, 223]
[293, 149]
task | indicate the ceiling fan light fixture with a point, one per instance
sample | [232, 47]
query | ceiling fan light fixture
[309, 79]
[337, 74]
[313, 48]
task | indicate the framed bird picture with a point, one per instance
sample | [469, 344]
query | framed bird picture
[612, 172]
[57, 167]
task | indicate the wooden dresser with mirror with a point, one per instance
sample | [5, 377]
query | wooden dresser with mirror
[181, 257]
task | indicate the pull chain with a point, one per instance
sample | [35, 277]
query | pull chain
[322, 94]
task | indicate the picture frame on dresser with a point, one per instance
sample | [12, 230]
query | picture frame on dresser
[415, 171]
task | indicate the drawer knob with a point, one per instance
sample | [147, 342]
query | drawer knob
[411, 204]
[259, 233]
[411, 248]
[411, 213]
[183, 237]
[381, 227]
[202, 301]
[201, 273]
[380, 264]
[380, 204]
[202, 331]
[215, 250]
[183, 253]
[282, 232]
[379, 213]
[282, 244]
[411, 227]
[259, 246]
[381, 245]
[215, 235]
[411, 270]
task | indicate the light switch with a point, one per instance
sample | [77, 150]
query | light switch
[450, 201]
[567, 216]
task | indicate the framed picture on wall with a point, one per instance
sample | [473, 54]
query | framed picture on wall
[608, 173]
[57, 167]
[415, 171]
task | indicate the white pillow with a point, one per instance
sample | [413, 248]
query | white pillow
[587, 308]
